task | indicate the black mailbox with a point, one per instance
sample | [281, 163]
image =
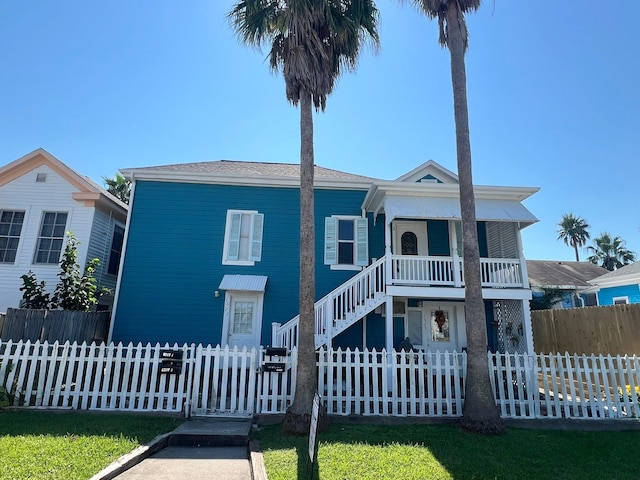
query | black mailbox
[171, 354]
[273, 367]
[171, 362]
[276, 352]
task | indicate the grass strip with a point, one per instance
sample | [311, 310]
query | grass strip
[406, 452]
[71, 445]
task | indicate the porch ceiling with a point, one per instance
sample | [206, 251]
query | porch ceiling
[500, 210]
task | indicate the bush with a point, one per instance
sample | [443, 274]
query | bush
[34, 295]
[6, 398]
[73, 291]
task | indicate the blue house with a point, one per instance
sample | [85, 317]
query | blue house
[211, 256]
[562, 282]
[619, 287]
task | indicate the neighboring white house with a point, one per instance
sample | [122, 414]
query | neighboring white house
[41, 199]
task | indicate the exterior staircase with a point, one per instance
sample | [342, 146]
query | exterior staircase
[339, 309]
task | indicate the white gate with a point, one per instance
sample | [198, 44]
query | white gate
[237, 383]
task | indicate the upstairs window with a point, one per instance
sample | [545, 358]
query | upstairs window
[10, 230]
[346, 242]
[51, 237]
[243, 237]
[116, 250]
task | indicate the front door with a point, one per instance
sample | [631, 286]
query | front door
[244, 319]
[433, 327]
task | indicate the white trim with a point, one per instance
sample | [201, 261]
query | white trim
[335, 239]
[125, 244]
[625, 298]
[252, 237]
[260, 181]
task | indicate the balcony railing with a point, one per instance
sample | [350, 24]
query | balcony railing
[448, 271]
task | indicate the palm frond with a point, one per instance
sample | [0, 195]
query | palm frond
[310, 41]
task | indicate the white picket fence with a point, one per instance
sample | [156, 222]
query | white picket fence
[354, 382]
[199, 380]
[95, 377]
[566, 386]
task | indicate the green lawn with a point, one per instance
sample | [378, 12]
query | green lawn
[70, 445]
[444, 452]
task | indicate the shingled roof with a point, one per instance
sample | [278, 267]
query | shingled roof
[628, 270]
[253, 169]
[554, 273]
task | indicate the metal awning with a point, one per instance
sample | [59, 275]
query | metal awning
[499, 210]
[243, 283]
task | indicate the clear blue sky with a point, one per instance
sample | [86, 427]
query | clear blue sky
[552, 87]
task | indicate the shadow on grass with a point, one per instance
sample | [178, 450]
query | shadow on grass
[519, 454]
[57, 423]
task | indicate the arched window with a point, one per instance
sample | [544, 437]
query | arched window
[409, 243]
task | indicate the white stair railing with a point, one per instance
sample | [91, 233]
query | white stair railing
[339, 309]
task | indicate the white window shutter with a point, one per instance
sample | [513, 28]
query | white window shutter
[362, 242]
[256, 237]
[233, 247]
[330, 241]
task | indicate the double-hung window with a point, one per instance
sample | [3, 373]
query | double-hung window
[243, 237]
[51, 237]
[346, 242]
[10, 230]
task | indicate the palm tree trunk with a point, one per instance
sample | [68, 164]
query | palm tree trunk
[480, 413]
[575, 245]
[298, 417]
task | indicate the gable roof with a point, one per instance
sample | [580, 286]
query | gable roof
[88, 191]
[429, 172]
[561, 274]
[240, 172]
[628, 273]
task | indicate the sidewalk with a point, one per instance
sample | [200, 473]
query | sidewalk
[202, 448]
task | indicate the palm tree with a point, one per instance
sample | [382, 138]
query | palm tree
[118, 186]
[311, 42]
[573, 231]
[610, 252]
[480, 413]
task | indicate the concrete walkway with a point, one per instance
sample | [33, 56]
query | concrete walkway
[207, 463]
[201, 448]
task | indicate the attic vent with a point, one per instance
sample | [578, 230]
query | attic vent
[41, 177]
[428, 180]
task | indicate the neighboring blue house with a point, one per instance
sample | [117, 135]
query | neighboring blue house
[211, 256]
[562, 282]
[622, 286]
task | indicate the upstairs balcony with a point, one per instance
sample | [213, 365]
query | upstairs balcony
[432, 271]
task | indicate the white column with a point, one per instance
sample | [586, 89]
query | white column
[523, 261]
[527, 327]
[387, 254]
[275, 340]
[453, 246]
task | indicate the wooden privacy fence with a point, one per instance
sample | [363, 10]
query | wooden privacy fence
[613, 329]
[55, 325]
[240, 383]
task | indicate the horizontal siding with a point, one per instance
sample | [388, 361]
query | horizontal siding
[100, 246]
[54, 195]
[173, 261]
[606, 295]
